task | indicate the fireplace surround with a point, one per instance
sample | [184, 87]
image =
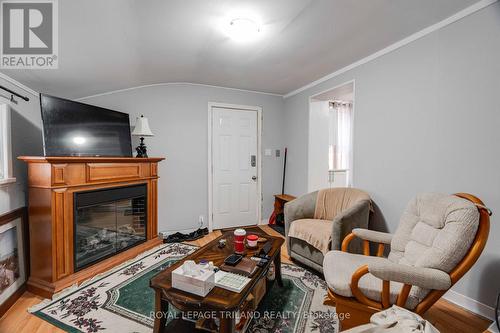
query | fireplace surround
[87, 215]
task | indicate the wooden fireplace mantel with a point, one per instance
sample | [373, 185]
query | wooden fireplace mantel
[87, 159]
[52, 183]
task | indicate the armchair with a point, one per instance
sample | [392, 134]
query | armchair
[438, 240]
[317, 222]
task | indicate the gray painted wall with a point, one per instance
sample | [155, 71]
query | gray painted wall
[426, 118]
[26, 140]
[178, 116]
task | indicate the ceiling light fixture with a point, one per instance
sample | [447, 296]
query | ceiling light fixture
[243, 29]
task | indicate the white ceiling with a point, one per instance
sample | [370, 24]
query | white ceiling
[105, 45]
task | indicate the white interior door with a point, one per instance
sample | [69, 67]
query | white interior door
[234, 167]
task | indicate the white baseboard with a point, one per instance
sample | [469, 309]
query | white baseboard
[493, 328]
[264, 222]
[470, 304]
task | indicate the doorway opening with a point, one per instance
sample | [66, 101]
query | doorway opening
[331, 115]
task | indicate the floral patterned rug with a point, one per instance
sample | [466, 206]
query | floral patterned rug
[122, 301]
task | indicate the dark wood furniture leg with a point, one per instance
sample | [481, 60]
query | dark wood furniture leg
[277, 268]
[227, 323]
[161, 313]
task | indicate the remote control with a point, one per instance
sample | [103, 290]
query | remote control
[261, 262]
[265, 249]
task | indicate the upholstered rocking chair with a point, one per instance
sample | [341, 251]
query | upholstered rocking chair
[438, 240]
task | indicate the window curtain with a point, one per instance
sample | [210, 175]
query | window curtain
[343, 146]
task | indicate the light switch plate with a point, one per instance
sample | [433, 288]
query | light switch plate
[268, 152]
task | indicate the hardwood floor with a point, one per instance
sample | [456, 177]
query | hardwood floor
[447, 317]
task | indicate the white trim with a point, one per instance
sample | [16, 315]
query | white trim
[264, 222]
[175, 83]
[6, 149]
[18, 84]
[258, 109]
[311, 97]
[17, 223]
[7, 181]
[353, 131]
[458, 16]
[353, 81]
[470, 304]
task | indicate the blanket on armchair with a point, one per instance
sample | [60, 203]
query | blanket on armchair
[329, 203]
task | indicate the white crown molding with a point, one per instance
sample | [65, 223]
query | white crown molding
[458, 16]
[18, 84]
[176, 83]
[470, 304]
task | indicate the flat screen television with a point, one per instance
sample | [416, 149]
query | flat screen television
[77, 129]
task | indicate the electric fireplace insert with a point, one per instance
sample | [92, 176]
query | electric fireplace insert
[108, 221]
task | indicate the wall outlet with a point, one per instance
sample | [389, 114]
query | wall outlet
[164, 234]
[201, 219]
[278, 153]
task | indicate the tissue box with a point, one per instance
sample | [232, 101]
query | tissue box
[199, 285]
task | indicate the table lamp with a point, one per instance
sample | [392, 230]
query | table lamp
[141, 130]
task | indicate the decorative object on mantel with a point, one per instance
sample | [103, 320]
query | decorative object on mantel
[13, 263]
[141, 130]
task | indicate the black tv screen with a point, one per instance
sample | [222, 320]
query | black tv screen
[77, 129]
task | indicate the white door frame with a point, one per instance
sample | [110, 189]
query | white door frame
[257, 109]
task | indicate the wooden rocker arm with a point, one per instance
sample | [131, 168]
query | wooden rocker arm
[357, 293]
[409, 276]
[385, 294]
[368, 236]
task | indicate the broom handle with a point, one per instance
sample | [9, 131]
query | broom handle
[284, 173]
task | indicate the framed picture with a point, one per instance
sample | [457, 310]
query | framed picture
[13, 263]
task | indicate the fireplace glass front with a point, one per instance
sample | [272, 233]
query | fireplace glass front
[108, 221]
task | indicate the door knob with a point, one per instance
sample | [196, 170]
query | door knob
[254, 178]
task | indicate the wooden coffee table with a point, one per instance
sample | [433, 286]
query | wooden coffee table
[221, 302]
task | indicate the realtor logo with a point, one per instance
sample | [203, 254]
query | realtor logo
[29, 34]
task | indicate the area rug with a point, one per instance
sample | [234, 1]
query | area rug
[122, 301]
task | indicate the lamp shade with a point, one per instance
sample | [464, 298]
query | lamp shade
[142, 127]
